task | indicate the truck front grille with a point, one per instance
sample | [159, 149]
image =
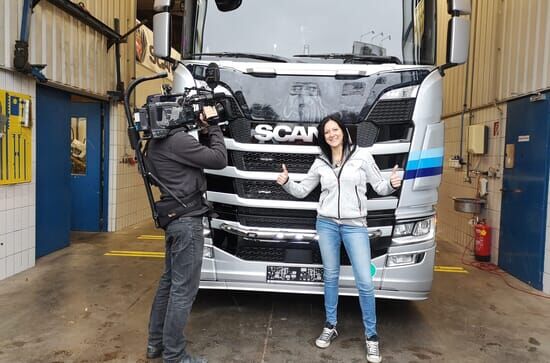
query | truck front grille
[268, 161]
[240, 129]
[392, 111]
[277, 222]
[258, 253]
[268, 189]
[283, 252]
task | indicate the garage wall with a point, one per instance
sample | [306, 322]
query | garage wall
[76, 55]
[509, 58]
[508, 53]
[17, 202]
[456, 226]
[77, 61]
[128, 203]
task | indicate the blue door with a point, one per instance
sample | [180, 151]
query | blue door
[525, 190]
[53, 170]
[86, 166]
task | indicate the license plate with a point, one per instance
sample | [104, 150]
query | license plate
[294, 274]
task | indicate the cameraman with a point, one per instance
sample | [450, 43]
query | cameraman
[178, 161]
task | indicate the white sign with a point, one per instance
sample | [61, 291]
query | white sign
[524, 138]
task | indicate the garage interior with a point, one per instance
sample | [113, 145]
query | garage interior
[73, 292]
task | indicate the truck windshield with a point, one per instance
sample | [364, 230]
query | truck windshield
[404, 29]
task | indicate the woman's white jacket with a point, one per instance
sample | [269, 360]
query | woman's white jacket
[343, 193]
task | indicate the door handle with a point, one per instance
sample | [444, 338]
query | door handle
[517, 190]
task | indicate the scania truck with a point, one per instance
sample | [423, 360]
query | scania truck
[285, 65]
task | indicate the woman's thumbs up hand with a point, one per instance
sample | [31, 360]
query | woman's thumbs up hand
[283, 177]
[395, 180]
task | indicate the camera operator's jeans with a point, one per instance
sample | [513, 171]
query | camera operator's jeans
[356, 242]
[178, 287]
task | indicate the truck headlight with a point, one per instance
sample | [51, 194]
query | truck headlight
[404, 92]
[416, 229]
[404, 259]
[422, 228]
[403, 229]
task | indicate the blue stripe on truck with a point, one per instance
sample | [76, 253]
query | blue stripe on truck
[424, 163]
[419, 173]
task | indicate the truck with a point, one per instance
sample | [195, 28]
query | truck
[284, 66]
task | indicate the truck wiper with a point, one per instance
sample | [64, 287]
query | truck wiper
[353, 58]
[263, 57]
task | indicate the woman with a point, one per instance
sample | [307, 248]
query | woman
[343, 171]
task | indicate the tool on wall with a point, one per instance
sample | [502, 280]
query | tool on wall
[3, 121]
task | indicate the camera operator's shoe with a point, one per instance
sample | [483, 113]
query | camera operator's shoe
[154, 352]
[373, 350]
[190, 359]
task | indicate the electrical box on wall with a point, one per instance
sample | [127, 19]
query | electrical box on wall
[477, 139]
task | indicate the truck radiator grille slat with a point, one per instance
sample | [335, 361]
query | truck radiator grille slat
[296, 163]
[277, 222]
[289, 218]
[277, 252]
[261, 189]
[258, 161]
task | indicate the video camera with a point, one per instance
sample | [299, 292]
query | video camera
[163, 113]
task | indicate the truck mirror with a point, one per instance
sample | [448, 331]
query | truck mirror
[161, 29]
[458, 39]
[212, 75]
[459, 7]
[228, 5]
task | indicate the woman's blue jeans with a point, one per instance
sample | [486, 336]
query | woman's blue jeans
[356, 242]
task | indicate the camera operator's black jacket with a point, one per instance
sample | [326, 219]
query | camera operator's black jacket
[179, 160]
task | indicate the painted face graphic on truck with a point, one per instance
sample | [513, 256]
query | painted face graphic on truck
[284, 133]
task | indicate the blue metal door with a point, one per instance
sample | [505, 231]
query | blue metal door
[53, 170]
[86, 166]
[525, 190]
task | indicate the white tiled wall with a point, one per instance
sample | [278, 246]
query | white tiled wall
[17, 202]
[454, 226]
[128, 203]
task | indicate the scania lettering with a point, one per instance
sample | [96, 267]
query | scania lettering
[285, 65]
[284, 133]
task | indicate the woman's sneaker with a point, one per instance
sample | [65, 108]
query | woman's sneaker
[373, 351]
[327, 336]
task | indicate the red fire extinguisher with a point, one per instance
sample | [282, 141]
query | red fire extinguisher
[482, 250]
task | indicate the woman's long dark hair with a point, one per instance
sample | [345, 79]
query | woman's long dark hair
[325, 148]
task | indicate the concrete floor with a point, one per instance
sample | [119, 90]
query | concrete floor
[78, 305]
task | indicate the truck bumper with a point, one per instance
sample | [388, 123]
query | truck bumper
[407, 282]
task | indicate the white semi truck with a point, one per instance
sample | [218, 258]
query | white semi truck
[285, 65]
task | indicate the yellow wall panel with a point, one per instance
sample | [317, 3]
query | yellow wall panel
[15, 138]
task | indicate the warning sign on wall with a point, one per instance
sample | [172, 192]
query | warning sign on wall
[15, 138]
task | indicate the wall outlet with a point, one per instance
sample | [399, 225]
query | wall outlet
[455, 163]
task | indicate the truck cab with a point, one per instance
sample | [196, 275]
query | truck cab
[285, 65]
